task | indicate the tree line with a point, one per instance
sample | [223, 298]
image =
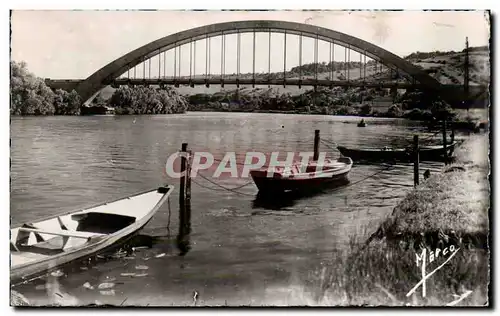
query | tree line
[147, 100]
[29, 95]
[415, 105]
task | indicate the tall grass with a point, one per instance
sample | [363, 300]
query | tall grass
[449, 208]
[382, 273]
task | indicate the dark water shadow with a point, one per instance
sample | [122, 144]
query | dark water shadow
[276, 201]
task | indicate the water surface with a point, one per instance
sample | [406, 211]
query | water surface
[243, 250]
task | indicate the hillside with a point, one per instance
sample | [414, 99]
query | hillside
[449, 68]
[446, 67]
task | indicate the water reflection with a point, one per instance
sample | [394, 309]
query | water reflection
[183, 238]
[278, 201]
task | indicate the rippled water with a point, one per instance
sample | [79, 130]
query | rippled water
[241, 246]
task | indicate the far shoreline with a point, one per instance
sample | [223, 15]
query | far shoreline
[474, 125]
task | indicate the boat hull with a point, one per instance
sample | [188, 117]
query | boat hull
[277, 185]
[314, 177]
[25, 272]
[21, 275]
[431, 153]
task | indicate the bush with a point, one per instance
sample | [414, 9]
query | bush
[394, 111]
[442, 111]
[368, 98]
[418, 115]
[344, 110]
[147, 100]
[67, 103]
[365, 109]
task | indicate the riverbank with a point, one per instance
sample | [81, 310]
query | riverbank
[453, 203]
[372, 102]
[447, 211]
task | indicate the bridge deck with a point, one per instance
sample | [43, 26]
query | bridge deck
[264, 81]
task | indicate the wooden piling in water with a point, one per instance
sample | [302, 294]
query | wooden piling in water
[184, 202]
[188, 181]
[416, 161]
[182, 185]
[316, 145]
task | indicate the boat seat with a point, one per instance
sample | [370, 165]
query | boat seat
[13, 246]
[66, 236]
[50, 247]
[64, 233]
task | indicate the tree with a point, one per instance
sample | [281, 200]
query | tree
[99, 100]
[29, 94]
[74, 103]
[441, 110]
[394, 111]
[366, 109]
[147, 100]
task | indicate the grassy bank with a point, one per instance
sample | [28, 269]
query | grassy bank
[449, 205]
[449, 208]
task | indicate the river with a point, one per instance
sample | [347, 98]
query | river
[244, 251]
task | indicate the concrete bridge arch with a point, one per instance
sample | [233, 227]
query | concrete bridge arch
[89, 87]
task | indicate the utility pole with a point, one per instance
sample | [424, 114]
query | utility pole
[466, 74]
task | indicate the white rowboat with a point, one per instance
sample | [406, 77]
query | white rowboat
[42, 246]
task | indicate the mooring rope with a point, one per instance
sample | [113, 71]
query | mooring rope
[225, 188]
[249, 182]
[221, 188]
[368, 177]
[328, 144]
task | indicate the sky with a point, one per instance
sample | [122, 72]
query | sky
[74, 44]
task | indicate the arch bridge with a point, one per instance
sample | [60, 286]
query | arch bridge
[135, 67]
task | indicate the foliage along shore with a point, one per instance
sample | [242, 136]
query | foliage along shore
[326, 101]
[29, 95]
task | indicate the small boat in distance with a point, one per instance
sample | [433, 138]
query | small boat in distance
[300, 177]
[362, 123]
[39, 247]
[426, 153]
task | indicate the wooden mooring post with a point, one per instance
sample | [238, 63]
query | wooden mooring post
[416, 161]
[316, 145]
[182, 185]
[184, 202]
[445, 149]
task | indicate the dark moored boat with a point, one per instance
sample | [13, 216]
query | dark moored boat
[302, 177]
[42, 246]
[426, 153]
